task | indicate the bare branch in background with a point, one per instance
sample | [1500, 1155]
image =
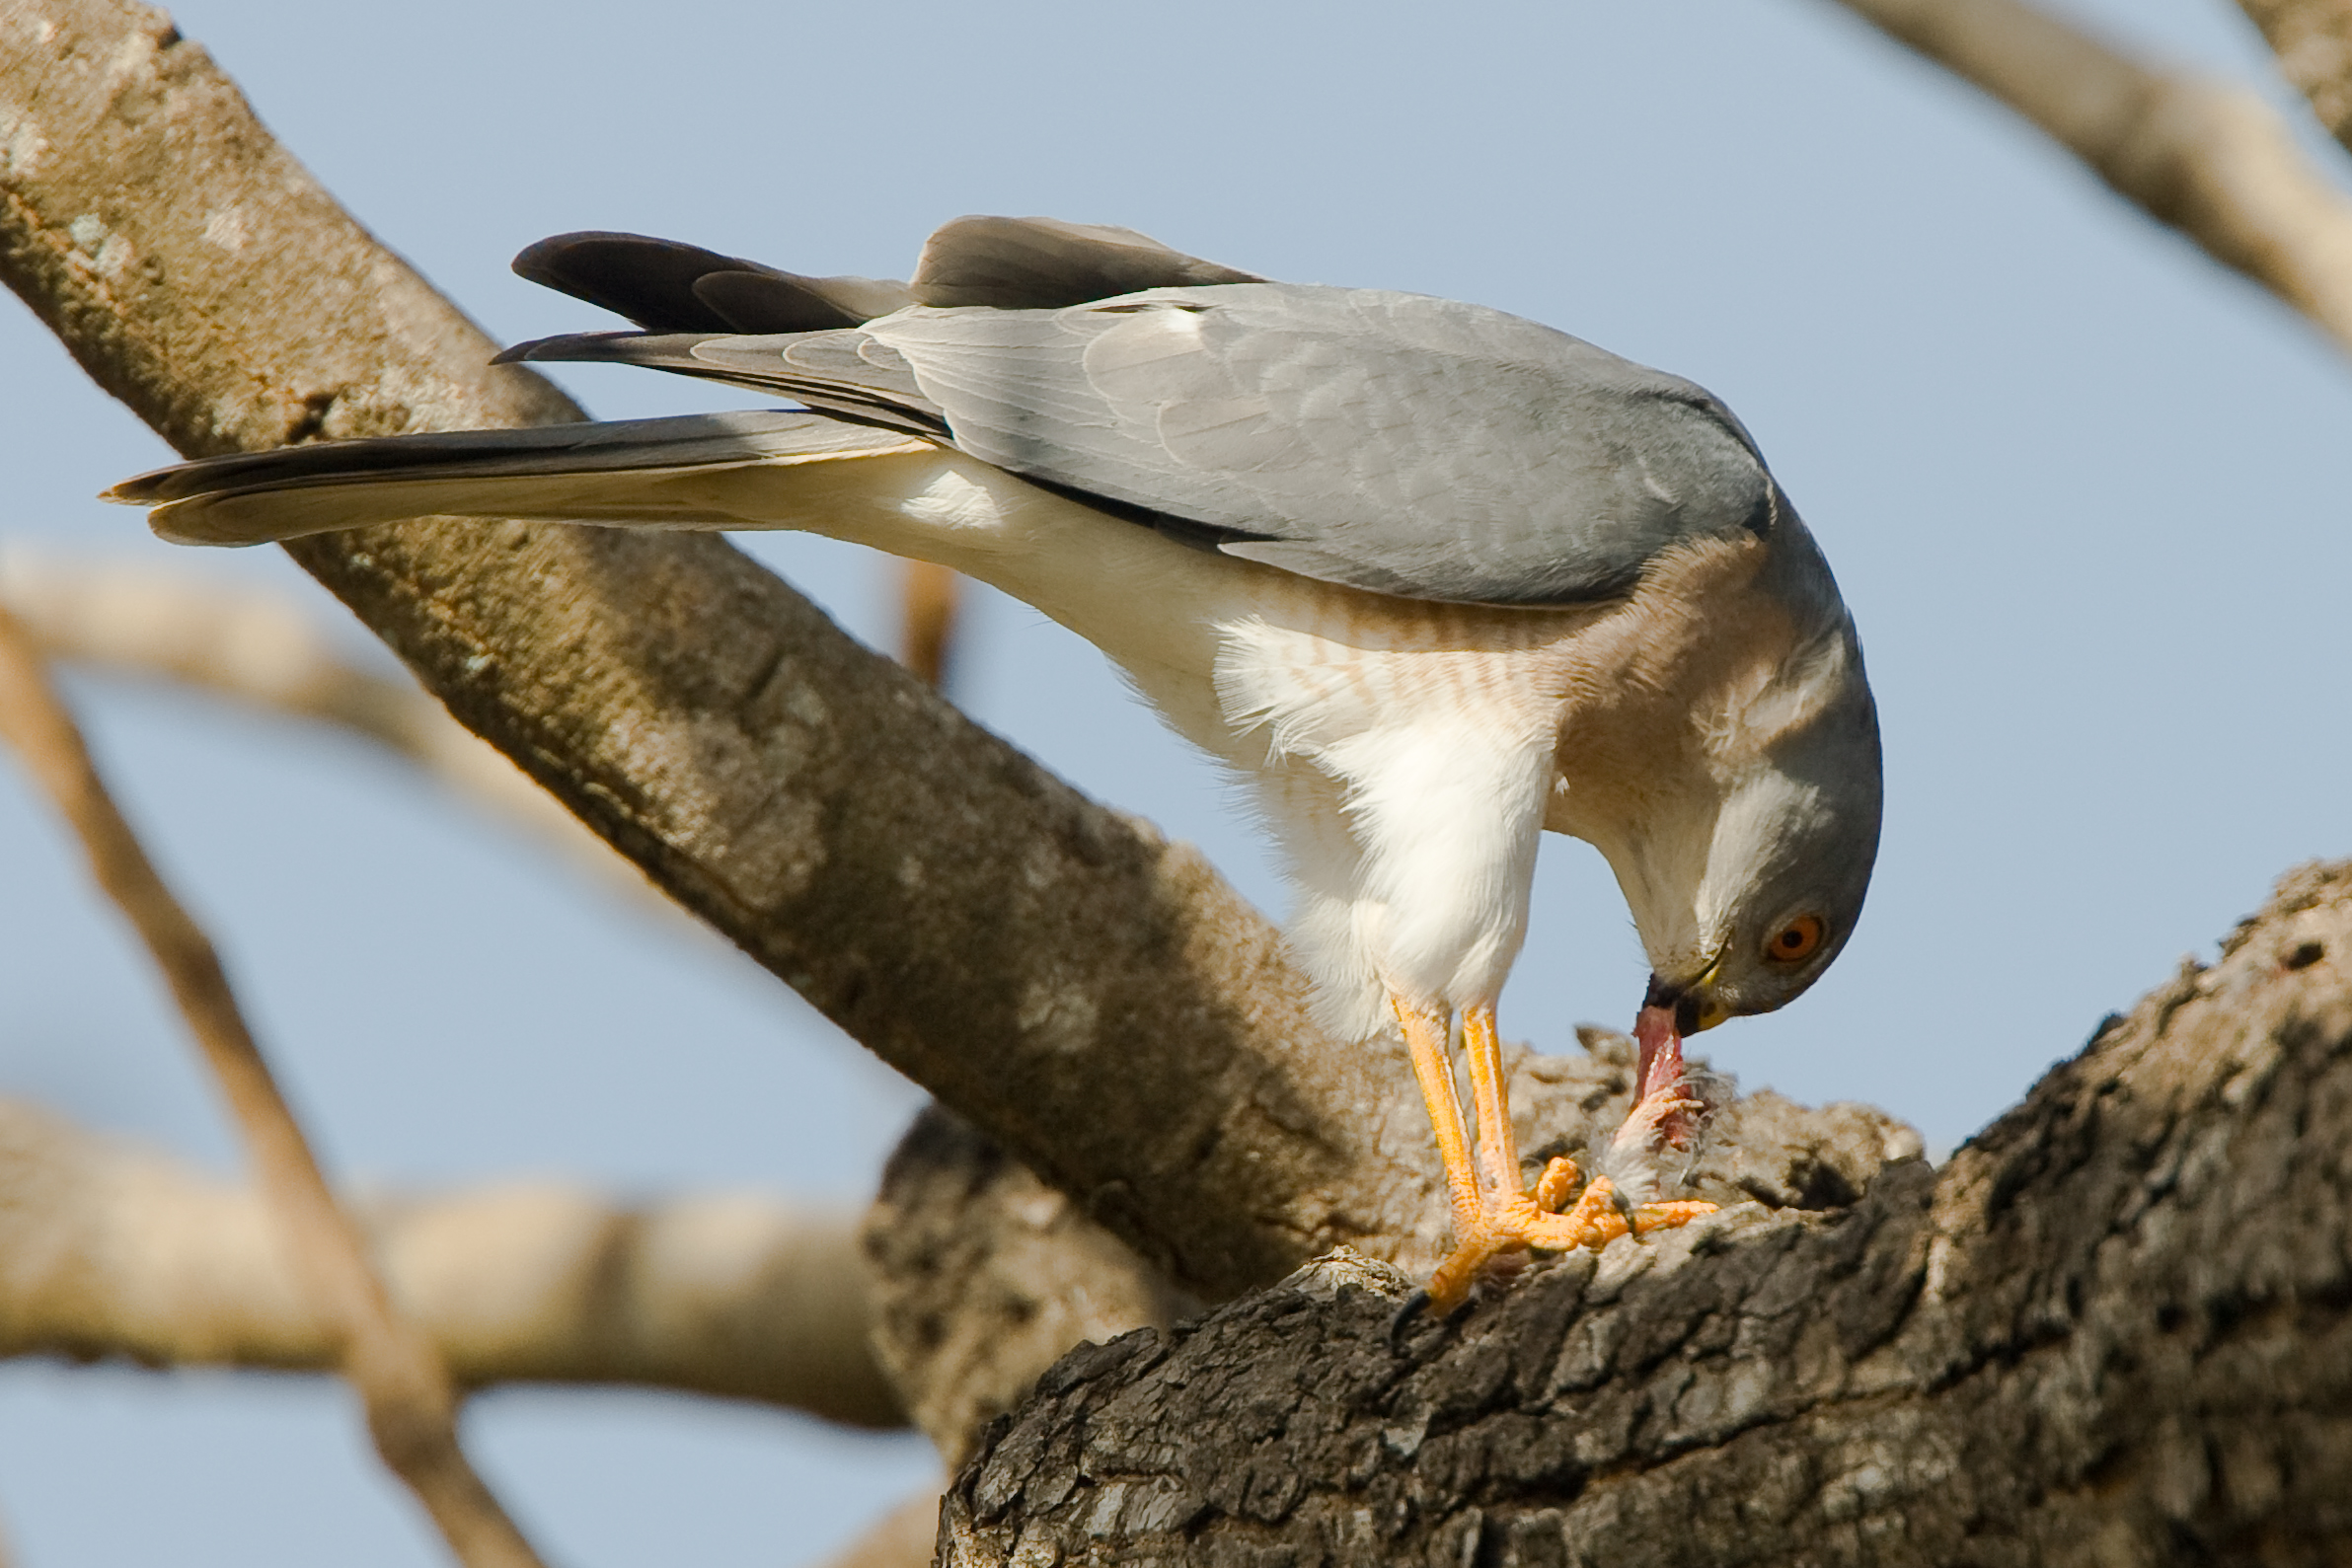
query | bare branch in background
[109, 1249]
[2313, 39]
[2209, 158]
[259, 647]
[983, 1276]
[411, 1408]
[930, 597]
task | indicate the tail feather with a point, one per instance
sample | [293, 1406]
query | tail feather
[674, 473]
[846, 373]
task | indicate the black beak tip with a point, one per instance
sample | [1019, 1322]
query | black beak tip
[1683, 1002]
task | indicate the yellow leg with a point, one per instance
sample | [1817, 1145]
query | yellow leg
[1491, 1095]
[1426, 1037]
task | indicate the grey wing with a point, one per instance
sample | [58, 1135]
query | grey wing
[1392, 442]
[726, 319]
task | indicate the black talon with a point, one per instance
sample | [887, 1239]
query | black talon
[1406, 1316]
[1625, 1208]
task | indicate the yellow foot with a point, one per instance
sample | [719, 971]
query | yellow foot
[1529, 1220]
[1492, 1218]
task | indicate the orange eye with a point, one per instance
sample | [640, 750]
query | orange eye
[1795, 941]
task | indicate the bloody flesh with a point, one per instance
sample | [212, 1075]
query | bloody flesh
[1659, 1068]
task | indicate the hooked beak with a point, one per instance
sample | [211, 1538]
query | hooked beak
[1691, 1006]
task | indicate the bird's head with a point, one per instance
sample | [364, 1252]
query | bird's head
[1746, 887]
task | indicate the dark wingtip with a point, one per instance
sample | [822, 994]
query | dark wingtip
[565, 346]
[151, 489]
[540, 261]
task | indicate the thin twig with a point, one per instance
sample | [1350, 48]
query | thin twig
[2209, 158]
[411, 1410]
[260, 647]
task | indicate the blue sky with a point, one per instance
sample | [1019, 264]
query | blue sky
[2083, 491]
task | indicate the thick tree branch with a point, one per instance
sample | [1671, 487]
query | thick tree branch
[106, 1249]
[411, 1408]
[2116, 1327]
[984, 1275]
[2209, 158]
[976, 923]
[2313, 39]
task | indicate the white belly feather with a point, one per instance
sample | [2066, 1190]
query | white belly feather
[1402, 752]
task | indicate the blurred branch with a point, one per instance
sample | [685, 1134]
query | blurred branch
[257, 647]
[109, 1249]
[929, 596]
[2209, 158]
[412, 1409]
[983, 1276]
[2313, 39]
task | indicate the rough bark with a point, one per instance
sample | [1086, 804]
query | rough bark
[2112, 1329]
[984, 1275]
[973, 920]
[109, 1249]
[2208, 158]
[2313, 39]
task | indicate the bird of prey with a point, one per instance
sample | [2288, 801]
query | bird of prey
[1432, 577]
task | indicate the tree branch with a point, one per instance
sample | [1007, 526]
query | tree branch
[984, 1275]
[412, 1409]
[2313, 39]
[2208, 158]
[106, 1249]
[2116, 1327]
